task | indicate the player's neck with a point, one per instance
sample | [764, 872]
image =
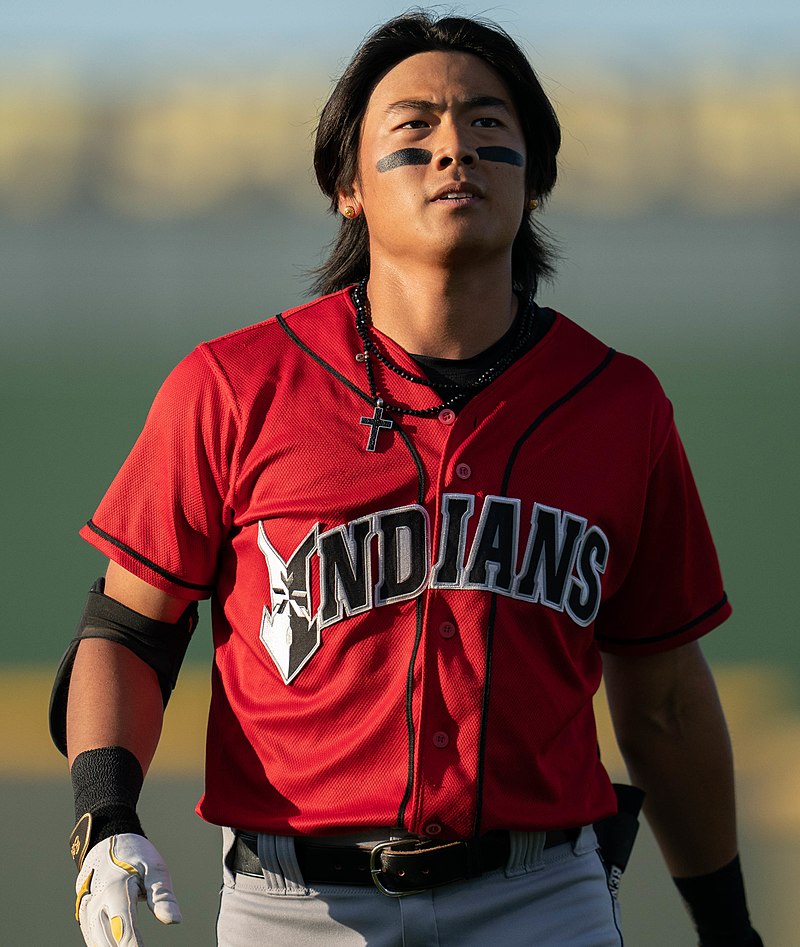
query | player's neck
[440, 313]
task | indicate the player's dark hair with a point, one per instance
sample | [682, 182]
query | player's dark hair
[339, 130]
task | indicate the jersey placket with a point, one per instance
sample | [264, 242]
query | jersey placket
[451, 685]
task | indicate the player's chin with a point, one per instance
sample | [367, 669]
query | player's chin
[470, 229]
[469, 250]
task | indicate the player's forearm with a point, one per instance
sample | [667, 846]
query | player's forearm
[114, 700]
[681, 757]
[114, 716]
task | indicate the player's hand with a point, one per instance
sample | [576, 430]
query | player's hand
[116, 874]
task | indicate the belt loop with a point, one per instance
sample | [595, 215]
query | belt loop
[474, 861]
[526, 850]
[586, 841]
[279, 864]
[228, 854]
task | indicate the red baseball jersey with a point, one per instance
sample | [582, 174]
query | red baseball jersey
[412, 636]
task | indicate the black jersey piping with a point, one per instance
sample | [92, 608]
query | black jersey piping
[558, 403]
[145, 561]
[321, 361]
[669, 634]
[412, 737]
[588, 379]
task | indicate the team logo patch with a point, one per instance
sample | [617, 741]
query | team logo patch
[289, 632]
[556, 560]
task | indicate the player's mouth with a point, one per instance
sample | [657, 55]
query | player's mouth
[458, 194]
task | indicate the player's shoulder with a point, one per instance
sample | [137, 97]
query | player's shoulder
[240, 365]
[623, 385]
[626, 371]
[254, 354]
[269, 338]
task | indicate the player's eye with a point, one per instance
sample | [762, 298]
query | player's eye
[415, 123]
[486, 121]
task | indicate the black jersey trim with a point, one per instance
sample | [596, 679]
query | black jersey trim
[490, 625]
[653, 639]
[412, 735]
[586, 380]
[321, 361]
[145, 561]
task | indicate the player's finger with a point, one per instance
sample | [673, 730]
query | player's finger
[162, 901]
[152, 874]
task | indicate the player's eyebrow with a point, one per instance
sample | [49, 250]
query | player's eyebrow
[425, 105]
[486, 101]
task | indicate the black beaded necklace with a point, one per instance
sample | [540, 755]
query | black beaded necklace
[371, 349]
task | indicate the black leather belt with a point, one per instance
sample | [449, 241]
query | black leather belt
[396, 867]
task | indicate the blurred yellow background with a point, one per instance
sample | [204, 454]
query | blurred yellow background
[711, 142]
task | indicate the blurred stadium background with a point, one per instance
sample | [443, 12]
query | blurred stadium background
[156, 189]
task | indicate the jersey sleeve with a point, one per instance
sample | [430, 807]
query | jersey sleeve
[167, 510]
[672, 593]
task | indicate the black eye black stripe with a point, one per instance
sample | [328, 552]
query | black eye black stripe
[499, 153]
[397, 159]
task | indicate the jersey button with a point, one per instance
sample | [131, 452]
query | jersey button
[463, 471]
[433, 828]
[447, 629]
[447, 415]
[440, 739]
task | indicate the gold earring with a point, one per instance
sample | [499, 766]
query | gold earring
[533, 204]
[349, 212]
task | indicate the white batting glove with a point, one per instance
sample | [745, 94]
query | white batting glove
[116, 874]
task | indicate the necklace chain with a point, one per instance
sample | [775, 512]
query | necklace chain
[363, 324]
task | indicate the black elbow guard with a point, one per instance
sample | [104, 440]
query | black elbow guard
[160, 644]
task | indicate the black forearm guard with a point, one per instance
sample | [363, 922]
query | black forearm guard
[159, 644]
[718, 907]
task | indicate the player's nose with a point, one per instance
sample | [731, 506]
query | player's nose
[455, 148]
[463, 157]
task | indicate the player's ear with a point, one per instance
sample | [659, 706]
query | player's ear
[349, 203]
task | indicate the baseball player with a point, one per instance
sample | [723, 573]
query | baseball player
[429, 514]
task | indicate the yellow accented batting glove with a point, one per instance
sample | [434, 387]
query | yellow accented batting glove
[115, 875]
